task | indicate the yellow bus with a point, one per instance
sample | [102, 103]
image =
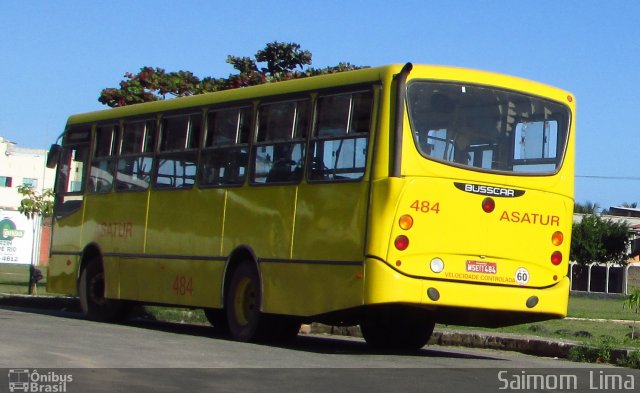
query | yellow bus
[393, 197]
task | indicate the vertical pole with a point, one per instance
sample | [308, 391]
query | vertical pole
[32, 268]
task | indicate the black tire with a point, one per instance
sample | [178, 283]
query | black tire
[218, 319]
[91, 290]
[397, 328]
[243, 302]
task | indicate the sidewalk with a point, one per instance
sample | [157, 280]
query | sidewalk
[531, 345]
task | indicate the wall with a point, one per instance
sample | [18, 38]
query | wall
[23, 166]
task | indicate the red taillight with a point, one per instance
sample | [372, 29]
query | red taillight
[488, 204]
[556, 258]
[401, 242]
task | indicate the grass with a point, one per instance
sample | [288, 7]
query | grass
[181, 315]
[599, 307]
[601, 321]
[14, 279]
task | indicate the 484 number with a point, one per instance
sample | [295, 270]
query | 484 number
[183, 285]
[426, 206]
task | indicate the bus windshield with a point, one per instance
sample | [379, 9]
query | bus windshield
[487, 129]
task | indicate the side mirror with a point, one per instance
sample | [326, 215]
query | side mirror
[53, 156]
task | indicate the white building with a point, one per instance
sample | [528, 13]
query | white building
[21, 166]
[20, 237]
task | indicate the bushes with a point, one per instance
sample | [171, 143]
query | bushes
[605, 352]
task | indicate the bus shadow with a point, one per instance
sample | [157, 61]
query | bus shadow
[313, 343]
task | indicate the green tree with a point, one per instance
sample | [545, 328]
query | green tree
[586, 208]
[34, 203]
[278, 61]
[599, 240]
[632, 302]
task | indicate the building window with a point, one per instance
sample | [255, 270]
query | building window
[30, 182]
[5, 181]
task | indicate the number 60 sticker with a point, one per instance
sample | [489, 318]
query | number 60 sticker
[522, 276]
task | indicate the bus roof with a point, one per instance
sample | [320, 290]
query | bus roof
[362, 76]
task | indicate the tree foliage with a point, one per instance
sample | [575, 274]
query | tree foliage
[586, 208]
[595, 239]
[34, 203]
[278, 61]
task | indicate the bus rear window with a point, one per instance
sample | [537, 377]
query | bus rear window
[487, 129]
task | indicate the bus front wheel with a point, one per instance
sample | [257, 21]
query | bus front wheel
[397, 328]
[91, 289]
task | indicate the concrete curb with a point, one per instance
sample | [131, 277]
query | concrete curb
[472, 339]
[60, 303]
[531, 345]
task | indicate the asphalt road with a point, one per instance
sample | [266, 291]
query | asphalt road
[155, 356]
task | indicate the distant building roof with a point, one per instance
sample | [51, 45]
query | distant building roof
[624, 211]
[632, 221]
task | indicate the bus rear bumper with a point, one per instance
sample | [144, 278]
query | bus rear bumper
[465, 303]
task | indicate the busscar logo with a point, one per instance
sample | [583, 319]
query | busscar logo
[29, 381]
[479, 189]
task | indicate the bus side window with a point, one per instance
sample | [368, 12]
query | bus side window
[176, 170]
[279, 152]
[340, 142]
[72, 170]
[176, 162]
[103, 163]
[133, 172]
[225, 154]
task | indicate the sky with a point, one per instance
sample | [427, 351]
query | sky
[56, 57]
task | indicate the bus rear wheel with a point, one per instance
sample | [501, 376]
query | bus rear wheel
[397, 328]
[243, 304]
[91, 289]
